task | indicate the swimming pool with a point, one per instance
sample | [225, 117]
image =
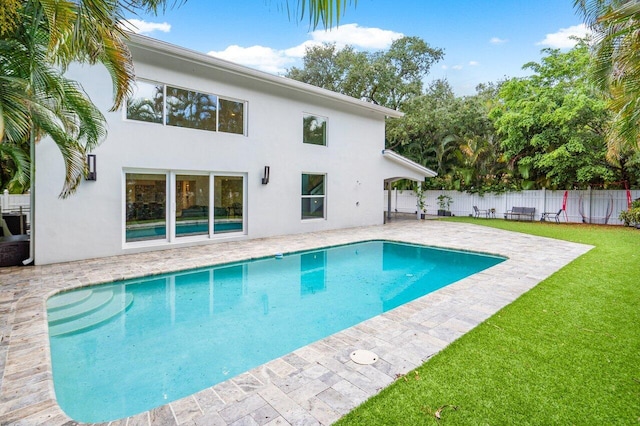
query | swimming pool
[187, 331]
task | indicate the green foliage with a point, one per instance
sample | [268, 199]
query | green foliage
[630, 217]
[387, 78]
[552, 123]
[444, 201]
[9, 16]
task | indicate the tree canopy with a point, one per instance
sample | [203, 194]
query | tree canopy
[388, 78]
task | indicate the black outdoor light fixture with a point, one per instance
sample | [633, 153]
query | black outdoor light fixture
[265, 179]
[92, 174]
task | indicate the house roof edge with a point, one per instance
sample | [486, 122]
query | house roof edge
[149, 43]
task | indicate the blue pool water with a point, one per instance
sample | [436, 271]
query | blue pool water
[182, 229]
[127, 347]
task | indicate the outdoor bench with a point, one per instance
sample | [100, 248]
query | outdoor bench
[520, 213]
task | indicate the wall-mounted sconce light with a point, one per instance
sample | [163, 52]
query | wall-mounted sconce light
[265, 179]
[92, 173]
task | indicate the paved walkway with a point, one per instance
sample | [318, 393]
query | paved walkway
[314, 385]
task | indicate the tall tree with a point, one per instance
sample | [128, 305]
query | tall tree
[616, 32]
[389, 78]
[552, 123]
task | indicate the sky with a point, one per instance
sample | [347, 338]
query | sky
[483, 40]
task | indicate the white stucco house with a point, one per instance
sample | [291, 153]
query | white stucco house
[208, 151]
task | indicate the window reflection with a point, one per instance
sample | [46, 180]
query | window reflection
[314, 129]
[192, 205]
[195, 110]
[312, 273]
[229, 204]
[146, 103]
[231, 115]
[145, 207]
[313, 196]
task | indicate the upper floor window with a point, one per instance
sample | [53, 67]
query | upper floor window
[172, 106]
[147, 103]
[314, 129]
[191, 109]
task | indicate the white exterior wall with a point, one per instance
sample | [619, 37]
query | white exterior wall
[90, 223]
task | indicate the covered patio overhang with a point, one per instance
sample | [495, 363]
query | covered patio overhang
[397, 168]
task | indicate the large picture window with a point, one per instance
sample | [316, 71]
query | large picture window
[313, 196]
[314, 129]
[191, 109]
[172, 106]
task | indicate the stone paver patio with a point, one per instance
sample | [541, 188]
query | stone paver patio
[316, 384]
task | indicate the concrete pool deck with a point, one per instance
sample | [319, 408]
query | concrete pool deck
[314, 385]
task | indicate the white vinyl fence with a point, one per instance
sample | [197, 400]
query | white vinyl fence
[588, 206]
[15, 204]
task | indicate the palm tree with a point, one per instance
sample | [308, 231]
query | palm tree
[37, 100]
[616, 29]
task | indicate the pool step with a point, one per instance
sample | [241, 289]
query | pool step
[95, 301]
[98, 308]
[67, 300]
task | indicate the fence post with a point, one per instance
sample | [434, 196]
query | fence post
[589, 192]
[4, 205]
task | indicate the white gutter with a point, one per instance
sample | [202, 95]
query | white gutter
[405, 162]
[151, 44]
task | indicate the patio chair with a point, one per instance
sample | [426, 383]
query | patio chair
[477, 212]
[551, 215]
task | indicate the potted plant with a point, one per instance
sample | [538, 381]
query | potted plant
[444, 202]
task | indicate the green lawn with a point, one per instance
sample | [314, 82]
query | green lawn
[565, 353]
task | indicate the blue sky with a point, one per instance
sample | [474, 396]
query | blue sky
[484, 41]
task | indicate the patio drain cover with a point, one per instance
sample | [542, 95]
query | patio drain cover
[363, 357]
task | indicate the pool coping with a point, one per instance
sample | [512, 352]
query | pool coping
[316, 384]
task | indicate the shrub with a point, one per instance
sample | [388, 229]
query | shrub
[631, 217]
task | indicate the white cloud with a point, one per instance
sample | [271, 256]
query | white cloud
[474, 63]
[564, 37]
[497, 40]
[259, 57]
[139, 26]
[277, 61]
[444, 67]
[357, 36]
[457, 67]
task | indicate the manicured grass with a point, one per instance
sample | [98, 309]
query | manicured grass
[566, 352]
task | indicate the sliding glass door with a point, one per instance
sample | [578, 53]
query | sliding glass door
[145, 206]
[228, 204]
[192, 205]
[146, 201]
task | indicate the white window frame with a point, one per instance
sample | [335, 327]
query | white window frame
[326, 128]
[323, 197]
[170, 208]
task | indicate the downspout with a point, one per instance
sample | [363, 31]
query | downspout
[32, 199]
